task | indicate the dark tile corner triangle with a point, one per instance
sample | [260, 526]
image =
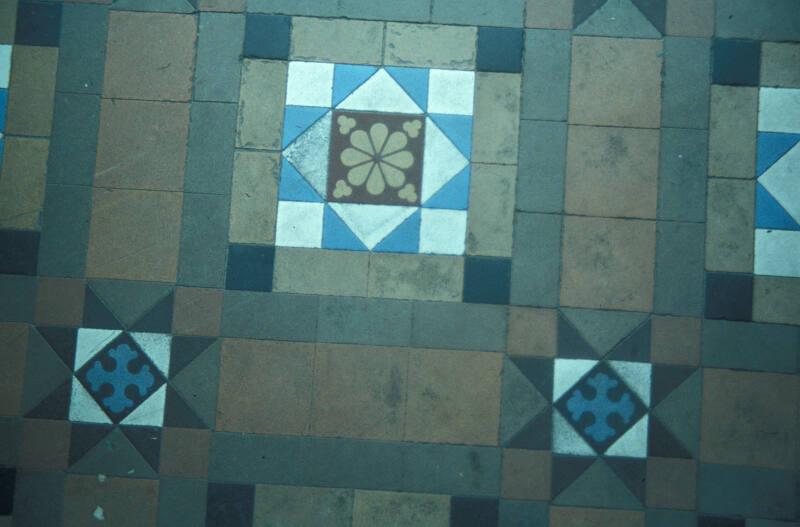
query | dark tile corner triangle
[655, 11]
[62, 341]
[159, 318]
[631, 472]
[536, 434]
[662, 443]
[571, 343]
[85, 437]
[583, 9]
[665, 378]
[567, 469]
[185, 350]
[55, 405]
[635, 347]
[177, 412]
[147, 441]
[538, 371]
[96, 314]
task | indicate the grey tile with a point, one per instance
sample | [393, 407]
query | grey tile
[82, 49]
[161, 6]
[73, 146]
[10, 428]
[459, 326]
[448, 469]
[407, 10]
[537, 260]
[732, 131]
[668, 518]
[19, 298]
[765, 20]
[38, 498]
[479, 12]
[729, 227]
[545, 70]
[542, 162]
[382, 322]
[292, 7]
[523, 513]
[276, 316]
[731, 344]
[181, 502]
[209, 164]
[219, 49]
[204, 240]
[726, 490]
[687, 82]
[257, 458]
[682, 174]
[65, 230]
[679, 268]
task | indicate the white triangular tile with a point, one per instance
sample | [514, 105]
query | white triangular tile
[566, 440]
[782, 180]
[443, 161]
[83, 408]
[150, 412]
[157, 346]
[566, 372]
[637, 375]
[372, 223]
[309, 154]
[633, 443]
[380, 93]
[90, 341]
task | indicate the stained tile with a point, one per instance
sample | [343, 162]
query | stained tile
[532, 332]
[526, 475]
[22, 182]
[500, 49]
[396, 509]
[259, 125]
[490, 229]
[690, 18]
[376, 321]
[741, 19]
[38, 24]
[549, 14]
[220, 41]
[729, 296]
[181, 502]
[184, 452]
[685, 101]
[21, 290]
[73, 145]
[430, 46]
[508, 13]
[671, 483]
[536, 255]
[30, 91]
[746, 492]
[320, 272]
[229, 505]
[730, 344]
[680, 249]
[545, 86]
[451, 92]
[18, 252]
[459, 326]
[82, 49]
[414, 277]
[780, 63]
[125, 502]
[730, 226]
[497, 107]
[339, 40]
[675, 340]
[302, 506]
[736, 62]
[267, 36]
[269, 315]
[585, 517]
[253, 198]
[732, 132]
[775, 299]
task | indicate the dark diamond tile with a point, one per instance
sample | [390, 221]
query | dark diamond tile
[487, 280]
[736, 62]
[38, 24]
[18, 252]
[473, 512]
[229, 505]
[267, 36]
[729, 296]
[250, 268]
[500, 49]
[8, 477]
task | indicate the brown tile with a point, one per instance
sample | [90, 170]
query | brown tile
[142, 145]
[532, 331]
[59, 301]
[44, 444]
[261, 100]
[616, 82]
[150, 56]
[730, 222]
[776, 299]
[231, 6]
[612, 172]
[671, 483]
[197, 311]
[608, 263]
[22, 182]
[675, 340]
[184, 452]
[416, 276]
[526, 474]
[495, 133]
[337, 40]
[748, 419]
[14, 343]
[430, 46]
[400, 509]
[320, 271]
[265, 387]
[575, 517]
[453, 397]
[549, 14]
[690, 18]
[780, 64]
[254, 197]
[134, 235]
[490, 225]
[8, 19]
[30, 91]
[278, 505]
[124, 502]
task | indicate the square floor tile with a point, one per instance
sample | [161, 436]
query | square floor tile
[38, 24]
[532, 331]
[473, 512]
[44, 444]
[526, 475]
[671, 483]
[250, 267]
[19, 251]
[125, 502]
[500, 49]
[487, 280]
[780, 64]
[549, 14]
[267, 36]
[675, 340]
[184, 452]
[729, 296]
[229, 505]
[197, 311]
[59, 301]
[736, 62]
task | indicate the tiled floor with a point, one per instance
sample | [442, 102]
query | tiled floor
[385, 264]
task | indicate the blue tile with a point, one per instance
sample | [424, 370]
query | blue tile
[473, 512]
[38, 24]
[771, 147]
[337, 235]
[457, 128]
[298, 119]
[736, 62]
[487, 280]
[346, 78]
[453, 195]
[3, 108]
[500, 49]
[414, 81]
[229, 505]
[294, 187]
[250, 268]
[729, 296]
[770, 214]
[18, 252]
[404, 239]
[267, 36]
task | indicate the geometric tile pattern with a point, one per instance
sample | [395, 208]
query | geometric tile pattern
[5, 72]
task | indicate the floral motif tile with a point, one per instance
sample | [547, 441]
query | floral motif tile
[375, 159]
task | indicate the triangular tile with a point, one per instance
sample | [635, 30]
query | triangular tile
[457, 128]
[83, 408]
[536, 435]
[571, 343]
[185, 350]
[55, 405]
[114, 456]
[380, 93]
[44, 371]
[567, 372]
[298, 119]
[294, 187]
[782, 180]
[414, 81]
[770, 214]
[129, 301]
[453, 195]
[771, 147]
[147, 441]
[618, 18]
[566, 469]
[443, 161]
[666, 378]
[632, 472]
[598, 486]
[635, 347]
[150, 412]
[371, 223]
[157, 347]
[521, 401]
[404, 239]
[655, 11]
[566, 439]
[346, 78]
[603, 329]
[309, 154]
[662, 443]
[539, 372]
[178, 414]
[90, 341]
[96, 314]
[84, 437]
[637, 375]
[680, 412]
[633, 442]
[159, 318]
[337, 235]
[62, 341]
[197, 384]
[583, 9]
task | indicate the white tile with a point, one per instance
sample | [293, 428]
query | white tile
[633, 443]
[777, 253]
[5, 65]
[83, 408]
[637, 376]
[443, 161]
[451, 92]
[779, 110]
[566, 372]
[157, 347]
[299, 224]
[309, 154]
[442, 231]
[566, 440]
[309, 84]
[782, 180]
[90, 341]
[150, 412]
[380, 93]
[371, 223]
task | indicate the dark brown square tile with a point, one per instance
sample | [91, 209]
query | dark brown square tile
[197, 311]
[671, 483]
[14, 343]
[59, 301]
[122, 502]
[532, 331]
[44, 444]
[184, 452]
[526, 474]
[675, 340]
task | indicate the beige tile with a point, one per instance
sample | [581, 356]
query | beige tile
[150, 56]
[776, 299]
[732, 132]
[126, 502]
[261, 97]
[495, 130]
[134, 235]
[580, 517]
[780, 64]
[729, 225]
[59, 301]
[22, 182]
[453, 397]
[279, 506]
[254, 197]
[14, 343]
[492, 192]
[142, 145]
[612, 172]
[416, 276]
[608, 263]
[359, 392]
[265, 387]
[671, 483]
[675, 340]
[197, 311]
[400, 509]
[30, 91]
[430, 46]
[616, 82]
[690, 18]
[337, 40]
[184, 452]
[44, 444]
[318, 271]
[8, 19]
[526, 475]
[532, 332]
[549, 14]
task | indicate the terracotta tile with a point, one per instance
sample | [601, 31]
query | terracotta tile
[44, 444]
[134, 235]
[675, 340]
[124, 502]
[150, 56]
[399, 509]
[416, 277]
[526, 474]
[608, 263]
[184, 452]
[671, 483]
[30, 91]
[575, 517]
[359, 392]
[14, 343]
[278, 505]
[22, 182]
[532, 331]
[197, 311]
[59, 301]
[453, 397]
[265, 387]
[142, 145]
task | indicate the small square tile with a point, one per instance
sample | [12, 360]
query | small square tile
[8, 476]
[675, 340]
[229, 505]
[729, 296]
[690, 18]
[299, 224]
[526, 475]
[549, 14]
[437, 228]
[267, 36]
[184, 452]
[532, 332]
[60, 301]
[487, 280]
[451, 92]
[197, 311]
[250, 267]
[123, 501]
[780, 64]
[302, 506]
[19, 252]
[181, 502]
[500, 49]
[38, 24]
[399, 509]
[776, 299]
[309, 84]
[474, 512]
[671, 483]
[736, 62]
[44, 444]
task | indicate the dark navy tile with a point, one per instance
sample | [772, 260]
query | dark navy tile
[487, 280]
[737, 62]
[18, 252]
[473, 512]
[267, 36]
[38, 24]
[729, 296]
[500, 49]
[8, 477]
[229, 505]
[713, 521]
[250, 268]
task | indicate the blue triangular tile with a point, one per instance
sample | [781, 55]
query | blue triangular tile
[458, 128]
[414, 81]
[337, 235]
[771, 147]
[298, 119]
[770, 214]
[346, 78]
[294, 187]
[453, 195]
[404, 239]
